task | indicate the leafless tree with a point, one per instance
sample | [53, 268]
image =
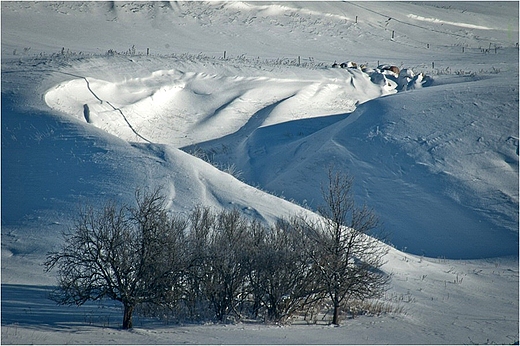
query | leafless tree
[202, 221]
[217, 245]
[347, 258]
[282, 277]
[226, 273]
[133, 255]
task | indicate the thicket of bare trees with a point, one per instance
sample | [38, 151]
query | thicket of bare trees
[220, 265]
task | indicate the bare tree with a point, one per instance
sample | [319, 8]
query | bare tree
[225, 272]
[133, 255]
[347, 258]
[202, 221]
[282, 277]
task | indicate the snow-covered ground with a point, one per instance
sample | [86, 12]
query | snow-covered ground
[249, 85]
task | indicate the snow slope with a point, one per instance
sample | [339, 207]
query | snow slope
[439, 164]
[442, 171]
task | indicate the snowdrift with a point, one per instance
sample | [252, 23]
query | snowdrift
[274, 130]
[253, 124]
[184, 108]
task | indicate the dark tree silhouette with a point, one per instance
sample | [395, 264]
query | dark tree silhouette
[282, 277]
[132, 255]
[224, 272]
[346, 257]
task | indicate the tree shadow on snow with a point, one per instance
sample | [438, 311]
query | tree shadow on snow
[30, 306]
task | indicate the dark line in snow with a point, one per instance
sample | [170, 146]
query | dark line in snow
[129, 125]
[91, 91]
[108, 103]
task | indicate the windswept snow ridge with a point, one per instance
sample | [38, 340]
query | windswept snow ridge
[189, 107]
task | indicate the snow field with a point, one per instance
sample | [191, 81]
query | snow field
[439, 300]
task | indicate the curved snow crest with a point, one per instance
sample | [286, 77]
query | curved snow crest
[189, 181]
[288, 8]
[442, 175]
[440, 21]
[183, 108]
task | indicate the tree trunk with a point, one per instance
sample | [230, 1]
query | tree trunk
[335, 317]
[127, 316]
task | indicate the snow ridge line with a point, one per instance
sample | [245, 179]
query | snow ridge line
[108, 103]
[126, 120]
[91, 91]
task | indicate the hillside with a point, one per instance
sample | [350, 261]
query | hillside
[100, 98]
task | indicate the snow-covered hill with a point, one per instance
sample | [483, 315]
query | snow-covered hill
[99, 98]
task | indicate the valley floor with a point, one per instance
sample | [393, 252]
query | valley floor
[442, 301]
